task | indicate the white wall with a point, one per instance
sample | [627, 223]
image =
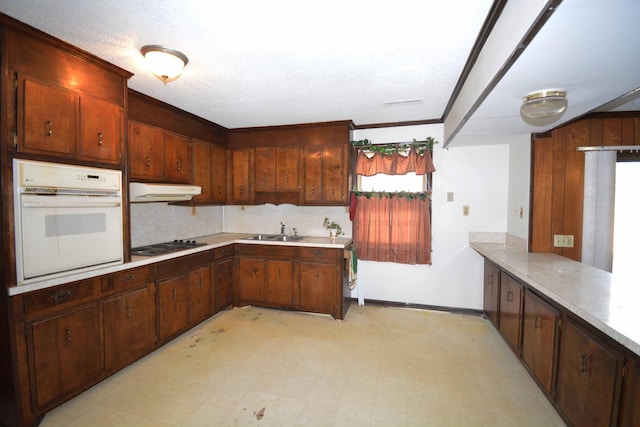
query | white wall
[478, 177]
[519, 186]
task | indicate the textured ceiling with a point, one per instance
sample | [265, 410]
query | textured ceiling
[255, 63]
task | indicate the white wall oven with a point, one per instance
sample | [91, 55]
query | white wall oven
[68, 219]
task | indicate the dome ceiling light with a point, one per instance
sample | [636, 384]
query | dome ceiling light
[166, 64]
[543, 107]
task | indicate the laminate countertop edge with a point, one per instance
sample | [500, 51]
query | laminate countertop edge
[607, 302]
[212, 241]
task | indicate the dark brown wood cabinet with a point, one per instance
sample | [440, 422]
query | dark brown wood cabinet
[173, 307]
[101, 130]
[325, 175]
[209, 172]
[129, 321]
[64, 354]
[511, 311]
[276, 169]
[320, 281]
[491, 292]
[539, 339]
[630, 407]
[224, 278]
[177, 158]
[589, 377]
[200, 295]
[240, 176]
[265, 275]
[146, 152]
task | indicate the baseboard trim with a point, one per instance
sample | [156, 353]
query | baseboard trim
[453, 310]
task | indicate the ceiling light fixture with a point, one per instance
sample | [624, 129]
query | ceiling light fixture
[543, 107]
[166, 64]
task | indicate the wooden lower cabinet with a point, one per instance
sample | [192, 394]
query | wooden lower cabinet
[491, 292]
[630, 408]
[224, 284]
[279, 283]
[589, 377]
[539, 339]
[200, 295]
[510, 311]
[129, 326]
[317, 291]
[173, 307]
[64, 354]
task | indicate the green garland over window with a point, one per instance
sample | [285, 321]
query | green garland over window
[394, 194]
[392, 148]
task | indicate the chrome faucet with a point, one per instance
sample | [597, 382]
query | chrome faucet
[282, 229]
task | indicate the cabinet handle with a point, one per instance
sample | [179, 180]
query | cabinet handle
[509, 296]
[333, 190]
[204, 189]
[67, 332]
[178, 166]
[317, 274]
[128, 312]
[219, 189]
[490, 279]
[585, 368]
[128, 278]
[175, 294]
[538, 322]
[148, 161]
[49, 131]
[99, 138]
[286, 178]
[61, 296]
[313, 189]
[240, 189]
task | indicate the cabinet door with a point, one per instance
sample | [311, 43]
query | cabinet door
[630, 410]
[588, 378]
[265, 176]
[510, 311]
[224, 284]
[173, 296]
[218, 174]
[64, 353]
[129, 326]
[251, 280]
[287, 169]
[317, 288]
[280, 283]
[177, 157]
[200, 295]
[491, 292]
[539, 327]
[241, 176]
[335, 173]
[313, 174]
[202, 170]
[47, 119]
[101, 125]
[146, 151]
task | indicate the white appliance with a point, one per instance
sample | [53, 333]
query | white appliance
[142, 192]
[68, 219]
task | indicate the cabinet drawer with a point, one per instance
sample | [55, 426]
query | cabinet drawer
[124, 279]
[183, 264]
[60, 296]
[328, 254]
[267, 251]
[223, 252]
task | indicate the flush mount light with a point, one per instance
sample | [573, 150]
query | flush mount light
[543, 107]
[166, 64]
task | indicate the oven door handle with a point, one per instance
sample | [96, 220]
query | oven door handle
[70, 204]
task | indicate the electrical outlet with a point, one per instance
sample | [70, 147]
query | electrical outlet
[465, 210]
[563, 240]
[450, 196]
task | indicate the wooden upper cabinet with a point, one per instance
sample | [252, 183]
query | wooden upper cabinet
[177, 157]
[326, 171]
[202, 170]
[241, 165]
[46, 117]
[312, 175]
[101, 125]
[276, 169]
[266, 169]
[218, 174]
[146, 151]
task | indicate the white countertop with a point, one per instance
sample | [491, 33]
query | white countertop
[212, 241]
[608, 302]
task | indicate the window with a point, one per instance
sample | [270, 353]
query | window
[392, 220]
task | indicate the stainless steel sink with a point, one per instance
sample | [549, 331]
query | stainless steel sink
[275, 238]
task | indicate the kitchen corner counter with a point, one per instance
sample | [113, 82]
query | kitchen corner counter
[212, 241]
[608, 302]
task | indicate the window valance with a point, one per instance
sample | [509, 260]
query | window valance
[394, 163]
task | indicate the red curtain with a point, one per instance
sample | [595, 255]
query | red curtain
[392, 227]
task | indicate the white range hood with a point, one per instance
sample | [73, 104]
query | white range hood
[140, 192]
